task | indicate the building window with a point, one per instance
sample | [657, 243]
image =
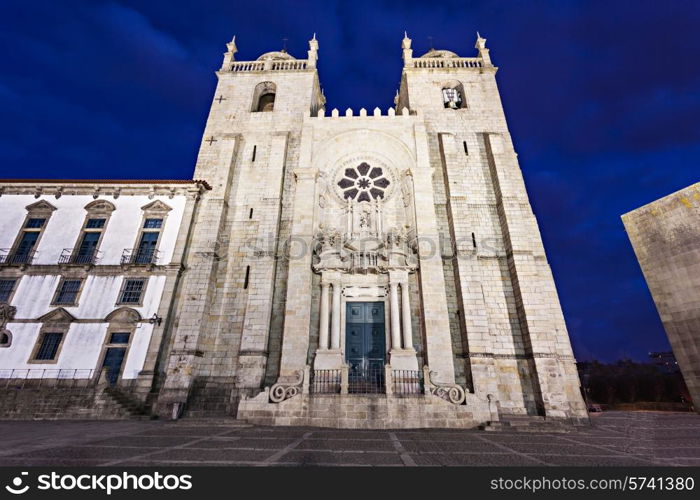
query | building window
[267, 102]
[255, 150]
[67, 292]
[37, 218]
[362, 182]
[119, 338]
[87, 246]
[247, 278]
[95, 224]
[466, 149]
[453, 95]
[148, 243]
[132, 291]
[264, 97]
[152, 224]
[5, 338]
[49, 346]
[35, 223]
[28, 239]
[86, 249]
[6, 289]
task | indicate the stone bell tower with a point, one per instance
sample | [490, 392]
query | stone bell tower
[509, 337]
[219, 342]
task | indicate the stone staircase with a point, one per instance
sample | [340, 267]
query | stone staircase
[131, 407]
[213, 421]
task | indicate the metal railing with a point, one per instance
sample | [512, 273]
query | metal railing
[407, 381]
[325, 382]
[366, 380]
[69, 257]
[16, 258]
[138, 256]
[48, 377]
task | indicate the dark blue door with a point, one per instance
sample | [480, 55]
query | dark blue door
[365, 346]
[114, 357]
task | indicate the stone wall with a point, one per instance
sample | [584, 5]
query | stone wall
[378, 411]
[51, 403]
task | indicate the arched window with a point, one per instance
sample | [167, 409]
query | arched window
[453, 95]
[120, 333]
[5, 338]
[264, 97]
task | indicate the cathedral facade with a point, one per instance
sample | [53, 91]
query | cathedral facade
[364, 268]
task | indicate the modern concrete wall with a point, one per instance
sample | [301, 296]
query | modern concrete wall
[665, 235]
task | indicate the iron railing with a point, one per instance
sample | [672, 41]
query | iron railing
[69, 257]
[139, 256]
[407, 381]
[48, 377]
[366, 380]
[16, 258]
[325, 382]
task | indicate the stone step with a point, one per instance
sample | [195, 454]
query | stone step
[228, 421]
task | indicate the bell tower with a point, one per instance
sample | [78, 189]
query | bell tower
[247, 154]
[506, 323]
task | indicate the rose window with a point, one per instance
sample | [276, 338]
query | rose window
[363, 183]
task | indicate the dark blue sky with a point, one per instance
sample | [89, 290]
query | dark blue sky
[602, 98]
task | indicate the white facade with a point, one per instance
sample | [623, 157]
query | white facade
[87, 322]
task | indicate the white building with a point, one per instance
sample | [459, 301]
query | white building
[86, 270]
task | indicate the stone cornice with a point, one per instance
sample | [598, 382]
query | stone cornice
[94, 270]
[102, 187]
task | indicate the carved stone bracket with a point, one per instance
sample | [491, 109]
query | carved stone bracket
[455, 394]
[285, 390]
[7, 314]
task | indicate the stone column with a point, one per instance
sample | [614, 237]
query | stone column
[335, 330]
[438, 342]
[539, 312]
[295, 337]
[323, 327]
[329, 357]
[406, 316]
[190, 335]
[395, 321]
